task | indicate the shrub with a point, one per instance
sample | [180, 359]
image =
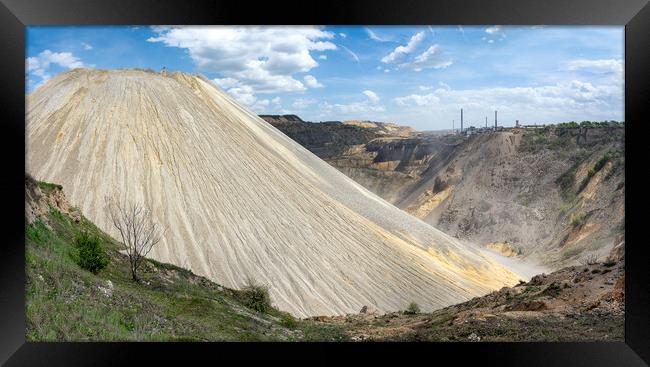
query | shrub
[91, 255]
[597, 167]
[255, 296]
[46, 187]
[412, 309]
[578, 219]
[287, 320]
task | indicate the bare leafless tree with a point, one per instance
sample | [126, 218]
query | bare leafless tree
[139, 233]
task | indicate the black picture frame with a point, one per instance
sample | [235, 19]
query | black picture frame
[16, 14]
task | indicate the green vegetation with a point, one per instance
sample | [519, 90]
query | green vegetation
[616, 168]
[255, 296]
[412, 309]
[46, 187]
[566, 181]
[590, 124]
[570, 252]
[287, 320]
[578, 219]
[595, 169]
[66, 302]
[91, 255]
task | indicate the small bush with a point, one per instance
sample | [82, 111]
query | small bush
[412, 309]
[578, 219]
[255, 296]
[46, 187]
[597, 167]
[91, 255]
[287, 320]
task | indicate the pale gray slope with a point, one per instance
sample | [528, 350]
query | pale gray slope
[239, 198]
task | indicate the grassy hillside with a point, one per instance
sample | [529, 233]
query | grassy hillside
[65, 302]
[68, 303]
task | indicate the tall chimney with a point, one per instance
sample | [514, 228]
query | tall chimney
[486, 122]
[461, 120]
[495, 120]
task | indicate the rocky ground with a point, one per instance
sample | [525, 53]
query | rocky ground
[555, 196]
[65, 302]
[578, 303]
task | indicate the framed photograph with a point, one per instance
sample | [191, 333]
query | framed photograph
[389, 179]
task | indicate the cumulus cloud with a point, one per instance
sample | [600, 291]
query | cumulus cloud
[343, 35]
[401, 51]
[40, 64]
[86, 46]
[614, 66]
[322, 57]
[359, 109]
[311, 82]
[226, 83]
[431, 58]
[250, 60]
[542, 103]
[372, 96]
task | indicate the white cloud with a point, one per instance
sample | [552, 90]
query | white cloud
[386, 70]
[343, 35]
[302, 103]
[372, 96]
[358, 109]
[322, 57]
[417, 100]
[495, 30]
[243, 94]
[355, 109]
[424, 88]
[375, 37]
[260, 59]
[226, 83]
[354, 56]
[599, 66]
[40, 64]
[311, 82]
[86, 46]
[431, 58]
[541, 103]
[401, 51]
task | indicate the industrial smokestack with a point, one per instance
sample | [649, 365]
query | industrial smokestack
[486, 122]
[495, 120]
[461, 120]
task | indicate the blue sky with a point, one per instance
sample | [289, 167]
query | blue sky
[416, 76]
